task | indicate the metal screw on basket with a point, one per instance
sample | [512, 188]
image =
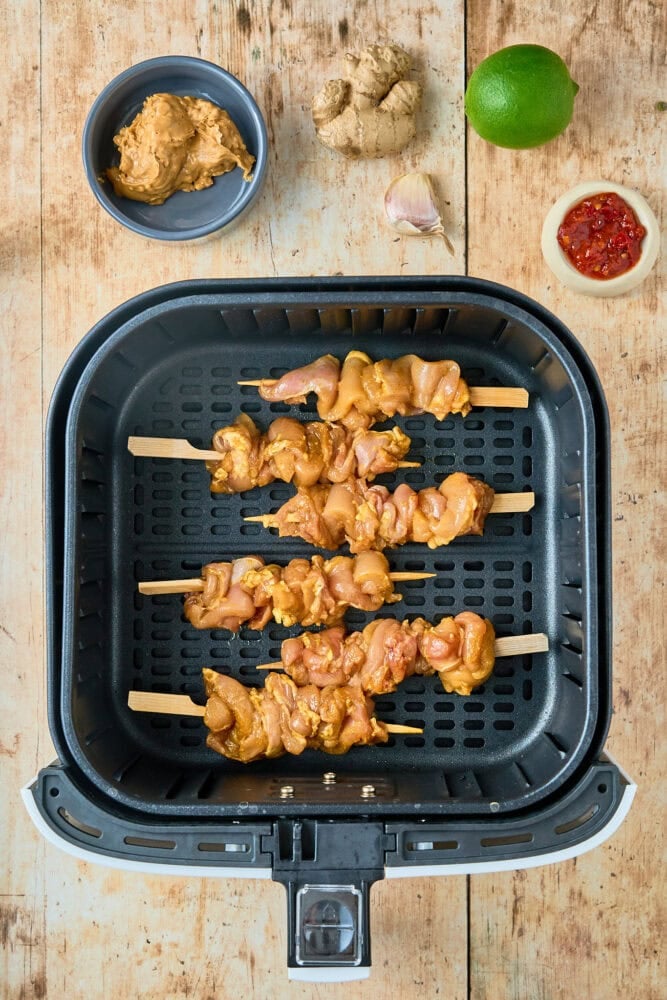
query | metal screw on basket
[368, 791]
[287, 791]
[329, 778]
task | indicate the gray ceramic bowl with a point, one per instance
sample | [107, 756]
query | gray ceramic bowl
[185, 215]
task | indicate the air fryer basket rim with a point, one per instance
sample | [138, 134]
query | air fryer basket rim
[101, 340]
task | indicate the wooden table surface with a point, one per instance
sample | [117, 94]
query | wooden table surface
[588, 928]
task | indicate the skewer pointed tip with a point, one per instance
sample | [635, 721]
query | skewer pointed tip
[265, 519]
[400, 576]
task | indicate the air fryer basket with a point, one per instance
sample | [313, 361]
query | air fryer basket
[517, 754]
[174, 373]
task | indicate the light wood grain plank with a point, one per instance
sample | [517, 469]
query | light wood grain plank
[119, 934]
[523, 945]
[219, 938]
[23, 744]
[590, 927]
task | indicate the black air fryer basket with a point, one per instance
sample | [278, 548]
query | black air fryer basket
[508, 777]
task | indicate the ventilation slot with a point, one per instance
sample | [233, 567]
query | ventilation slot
[77, 824]
[123, 771]
[574, 824]
[96, 735]
[523, 774]
[155, 845]
[223, 848]
[176, 786]
[100, 404]
[432, 845]
[542, 362]
[208, 784]
[397, 321]
[508, 841]
[562, 397]
[560, 747]
[500, 332]
[414, 741]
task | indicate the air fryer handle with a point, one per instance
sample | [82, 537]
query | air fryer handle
[327, 869]
[329, 930]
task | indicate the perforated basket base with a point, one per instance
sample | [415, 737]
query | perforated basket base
[173, 373]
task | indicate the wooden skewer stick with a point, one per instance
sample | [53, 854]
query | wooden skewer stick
[164, 704]
[154, 587]
[182, 704]
[521, 645]
[152, 447]
[511, 645]
[480, 395]
[503, 503]
[512, 503]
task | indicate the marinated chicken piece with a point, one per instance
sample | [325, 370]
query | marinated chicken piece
[225, 601]
[460, 650]
[320, 377]
[306, 591]
[232, 715]
[370, 517]
[362, 393]
[221, 604]
[300, 453]
[248, 724]
[352, 408]
[316, 658]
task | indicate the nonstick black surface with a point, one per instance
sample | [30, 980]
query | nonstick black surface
[173, 373]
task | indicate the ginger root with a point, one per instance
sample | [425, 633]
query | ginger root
[372, 111]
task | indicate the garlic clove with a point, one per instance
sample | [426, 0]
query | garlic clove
[410, 207]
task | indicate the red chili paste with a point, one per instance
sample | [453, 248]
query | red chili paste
[601, 236]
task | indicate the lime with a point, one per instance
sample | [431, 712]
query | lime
[521, 96]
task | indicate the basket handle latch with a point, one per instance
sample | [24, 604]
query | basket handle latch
[327, 870]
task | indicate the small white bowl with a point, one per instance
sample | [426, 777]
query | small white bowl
[567, 272]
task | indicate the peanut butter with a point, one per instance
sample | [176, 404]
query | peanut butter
[176, 144]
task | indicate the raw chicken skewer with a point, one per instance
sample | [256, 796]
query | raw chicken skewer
[291, 450]
[307, 591]
[248, 724]
[461, 650]
[362, 393]
[370, 517]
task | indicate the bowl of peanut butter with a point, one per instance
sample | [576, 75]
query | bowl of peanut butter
[175, 148]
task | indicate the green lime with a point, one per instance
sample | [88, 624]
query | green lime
[521, 96]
